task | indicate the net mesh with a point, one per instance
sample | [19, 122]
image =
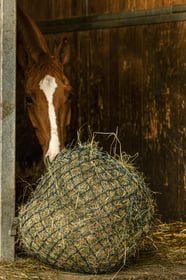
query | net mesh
[88, 213]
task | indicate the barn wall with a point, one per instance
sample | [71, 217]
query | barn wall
[132, 78]
[116, 6]
[55, 9]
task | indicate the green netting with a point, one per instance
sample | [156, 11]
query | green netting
[88, 213]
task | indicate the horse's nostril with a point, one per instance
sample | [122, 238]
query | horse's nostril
[49, 157]
[47, 161]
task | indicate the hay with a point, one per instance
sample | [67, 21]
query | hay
[166, 243]
[27, 181]
[88, 214]
[160, 259]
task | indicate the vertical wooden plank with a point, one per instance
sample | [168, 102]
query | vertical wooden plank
[94, 76]
[98, 7]
[66, 9]
[114, 6]
[114, 80]
[105, 63]
[123, 6]
[85, 8]
[177, 2]
[99, 80]
[136, 77]
[74, 78]
[153, 163]
[130, 88]
[176, 113]
[125, 89]
[7, 126]
[83, 70]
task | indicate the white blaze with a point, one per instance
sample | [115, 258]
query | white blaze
[48, 86]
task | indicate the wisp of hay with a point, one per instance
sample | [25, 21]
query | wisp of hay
[88, 213]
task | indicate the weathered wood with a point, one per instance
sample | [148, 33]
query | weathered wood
[131, 18]
[7, 126]
[86, 2]
[56, 9]
[97, 7]
[53, 9]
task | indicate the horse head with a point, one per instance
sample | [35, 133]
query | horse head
[47, 89]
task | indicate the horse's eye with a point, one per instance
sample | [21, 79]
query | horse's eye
[28, 99]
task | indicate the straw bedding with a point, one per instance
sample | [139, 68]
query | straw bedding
[88, 214]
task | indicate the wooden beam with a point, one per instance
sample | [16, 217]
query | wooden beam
[141, 17]
[7, 126]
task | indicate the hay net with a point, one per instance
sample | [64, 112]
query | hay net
[88, 213]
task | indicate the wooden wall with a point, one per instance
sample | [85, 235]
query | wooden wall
[131, 78]
[54, 9]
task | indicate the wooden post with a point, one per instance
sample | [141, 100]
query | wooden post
[7, 126]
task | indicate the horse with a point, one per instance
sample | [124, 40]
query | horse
[47, 89]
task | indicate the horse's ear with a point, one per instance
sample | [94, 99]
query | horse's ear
[63, 52]
[29, 36]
